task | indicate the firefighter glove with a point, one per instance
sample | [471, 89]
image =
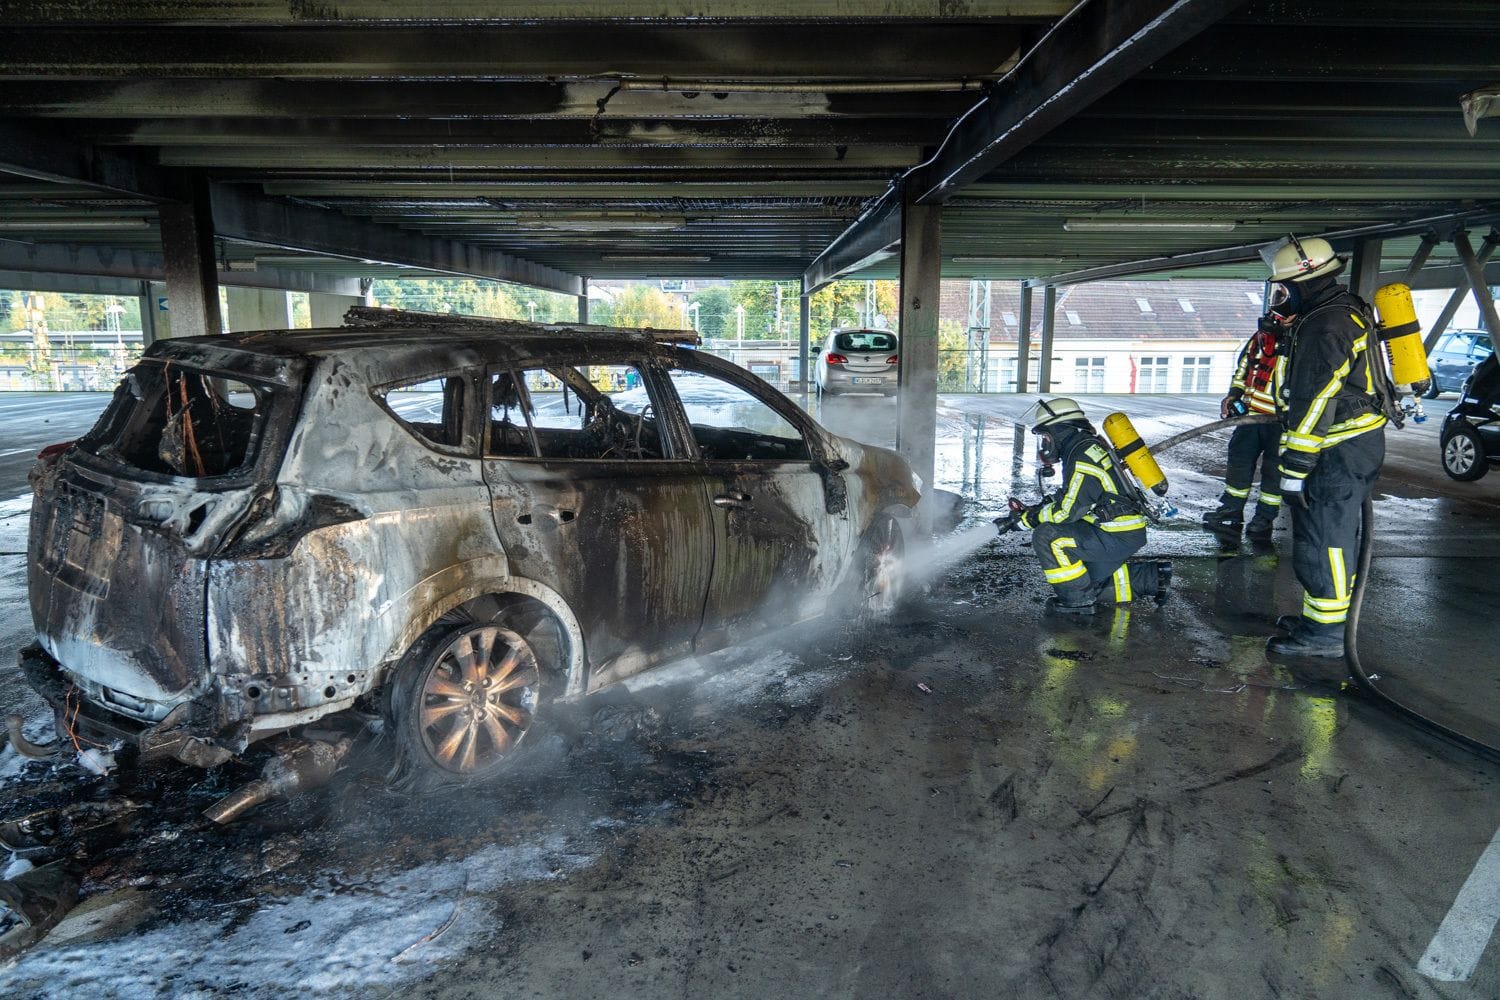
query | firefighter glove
[1292, 492]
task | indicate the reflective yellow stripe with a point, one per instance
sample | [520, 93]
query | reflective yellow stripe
[1340, 576]
[1065, 573]
[1241, 494]
[1056, 513]
[1323, 617]
[1066, 569]
[1353, 428]
[1309, 422]
[1123, 594]
[1130, 522]
[1271, 499]
[1326, 603]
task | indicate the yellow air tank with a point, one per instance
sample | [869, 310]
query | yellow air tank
[1402, 335]
[1134, 453]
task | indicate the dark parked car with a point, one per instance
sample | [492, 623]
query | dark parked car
[1471, 431]
[450, 522]
[1454, 357]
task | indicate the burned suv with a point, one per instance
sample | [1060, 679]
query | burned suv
[448, 521]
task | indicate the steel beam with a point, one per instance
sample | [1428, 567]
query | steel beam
[63, 263]
[72, 284]
[458, 100]
[1023, 345]
[279, 12]
[1448, 277]
[583, 300]
[1087, 54]
[1460, 289]
[1342, 239]
[1475, 270]
[1364, 268]
[1049, 318]
[921, 301]
[42, 156]
[696, 50]
[614, 130]
[1090, 52]
[248, 218]
[868, 240]
[1430, 240]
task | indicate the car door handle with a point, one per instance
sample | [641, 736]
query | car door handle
[732, 500]
[557, 515]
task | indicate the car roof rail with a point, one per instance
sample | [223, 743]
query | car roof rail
[381, 318]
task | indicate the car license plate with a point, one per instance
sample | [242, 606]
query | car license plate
[867, 381]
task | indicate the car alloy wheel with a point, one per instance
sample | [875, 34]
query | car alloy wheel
[1463, 455]
[477, 699]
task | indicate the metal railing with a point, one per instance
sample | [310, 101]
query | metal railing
[64, 369]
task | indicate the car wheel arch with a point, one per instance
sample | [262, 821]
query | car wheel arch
[503, 589]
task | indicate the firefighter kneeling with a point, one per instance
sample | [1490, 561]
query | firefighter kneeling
[1084, 534]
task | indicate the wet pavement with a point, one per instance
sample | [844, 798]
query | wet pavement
[974, 800]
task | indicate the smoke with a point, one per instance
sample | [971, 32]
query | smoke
[925, 560]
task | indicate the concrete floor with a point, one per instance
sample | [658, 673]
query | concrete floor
[973, 801]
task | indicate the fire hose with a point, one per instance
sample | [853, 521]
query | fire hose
[1362, 680]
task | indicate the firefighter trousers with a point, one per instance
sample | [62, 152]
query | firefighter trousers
[1325, 536]
[1085, 563]
[1253, 445]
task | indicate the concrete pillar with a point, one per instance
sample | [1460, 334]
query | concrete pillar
[1044, 365]
[259, 309]
[325, 308]
[921, 281]
[804, 337]
[1023, 348]
[1364, 269]
[187, 246]
[583, 301]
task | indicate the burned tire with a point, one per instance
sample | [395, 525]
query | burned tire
[1463, 454]
[462, 701]
[879, 579]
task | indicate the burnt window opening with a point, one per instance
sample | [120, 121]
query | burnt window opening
[430, 408]
[574, 412]
[730, 423]
[170, 420]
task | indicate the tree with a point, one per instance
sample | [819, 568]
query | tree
[953, 356]
[715, 311]
[646, 305]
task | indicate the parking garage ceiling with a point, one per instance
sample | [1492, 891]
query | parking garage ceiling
[727, 138]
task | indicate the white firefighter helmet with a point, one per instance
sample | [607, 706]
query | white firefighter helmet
[1299, 260]
[1056, 411]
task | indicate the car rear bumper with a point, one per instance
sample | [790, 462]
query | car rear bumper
[845, 381]
[205, 731]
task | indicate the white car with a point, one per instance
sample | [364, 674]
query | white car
[854, 360]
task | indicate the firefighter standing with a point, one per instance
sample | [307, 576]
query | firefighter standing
[1333, 441]
[1085, 533]
[1252, 390]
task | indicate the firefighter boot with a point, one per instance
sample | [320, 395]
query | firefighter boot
[1306, 638]
[1227, 520]
[1260, 527]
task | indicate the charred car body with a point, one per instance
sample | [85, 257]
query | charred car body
[450, 522]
